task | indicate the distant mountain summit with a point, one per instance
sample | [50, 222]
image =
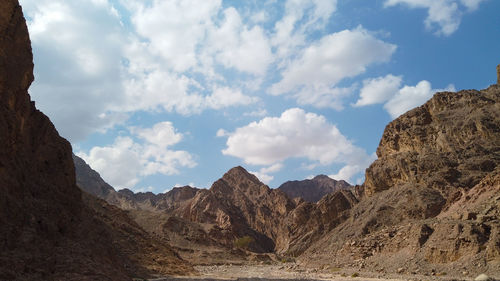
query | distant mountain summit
[314, 189]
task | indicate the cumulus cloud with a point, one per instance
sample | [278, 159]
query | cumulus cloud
[256, 113]
[396, 100]
[409, 97]
[300, 17]
[378, 90]
[295, 134]
[166, 56]
[443, 16]
[337, 56]
[146, 152]
[85, 52]
[264, 173]
[76, 76]
[238, 46]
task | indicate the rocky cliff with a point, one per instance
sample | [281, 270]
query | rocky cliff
[449, 143]
[49, 229]
[432, 196]
[200, 222]
[314, 189]
[90, 181]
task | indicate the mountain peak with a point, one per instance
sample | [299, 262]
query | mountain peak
[313, 190]
[238, 174]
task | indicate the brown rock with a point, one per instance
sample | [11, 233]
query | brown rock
[449, 142]
[498, 74]
[314, 189]
[49, 229]
[432, 196]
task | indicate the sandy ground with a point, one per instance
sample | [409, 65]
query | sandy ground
[285, 272]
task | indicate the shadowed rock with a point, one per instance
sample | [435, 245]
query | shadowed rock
[49, 229]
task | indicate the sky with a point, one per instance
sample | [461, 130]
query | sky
[161, 93]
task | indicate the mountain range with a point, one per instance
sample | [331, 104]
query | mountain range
[430, 203]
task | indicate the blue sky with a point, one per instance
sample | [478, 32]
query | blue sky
[154, 94]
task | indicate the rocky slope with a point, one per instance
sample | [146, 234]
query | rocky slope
[200, 222]
[49, 229]
[314, 189]
[431, 198]
[429, 204]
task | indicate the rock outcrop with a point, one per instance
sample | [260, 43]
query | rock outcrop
[431, 198]
[90, 181]
[49, 229]
[498, 74]
[449, 143]
[314, 189]
[199, 221]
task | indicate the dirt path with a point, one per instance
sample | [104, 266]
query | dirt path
[272, 272]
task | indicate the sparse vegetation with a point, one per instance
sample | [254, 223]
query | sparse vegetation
[335, 269]
[287, 259]
[354, 275]
[243, 242]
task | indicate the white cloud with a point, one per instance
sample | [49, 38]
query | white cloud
[411, 96]
[76, 76]
[240, 47]
[162, 134]
[265, 178]
[295, 134]
[378, 90]
[123, 163]
[396, 100]
[301, 17]
[272, 169]
[472, 5]
[225, 97]
[348, 172]
[221, 133]
[443, 16]
[174, 29]
[311, 78]
[84, 52]
[166, 56]
[256, 113]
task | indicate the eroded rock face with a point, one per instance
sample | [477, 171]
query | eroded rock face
[432, 196]
[240, 204]
[450, 142]
[49, 231]
[498, 74]
[314, 189]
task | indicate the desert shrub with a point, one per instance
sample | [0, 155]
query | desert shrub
[335, 269]
[354, 275]
[243, 242]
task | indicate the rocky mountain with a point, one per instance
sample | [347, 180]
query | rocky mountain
[430, 203]
[236, 205]
[314, 189]
[50, 230]
[201, 222]
[90, 181]
[432, 197]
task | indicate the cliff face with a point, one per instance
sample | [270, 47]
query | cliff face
[450, 142]
[432, 196]
[49, 231]
[89, 180]
[314, 189]
[239, 204]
